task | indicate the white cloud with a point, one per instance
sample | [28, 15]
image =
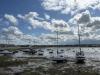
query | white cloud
[29, 27]
[51, 5]
[32, 18]
[85, 17]
[52, 38]
[97, 6]
[34, 15]
[30, 14]
[81, 18]
[52, 25]
[12, 30]
[11, 19]
[89, 26]
[69, 6]
[11, 34]
[47, 17]
[95, 23]
[60, 26]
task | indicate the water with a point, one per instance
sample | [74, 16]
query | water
[90, 52]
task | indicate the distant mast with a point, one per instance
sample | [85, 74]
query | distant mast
[57, 40]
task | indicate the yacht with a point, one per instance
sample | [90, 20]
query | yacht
[59, 56]
[80, 57]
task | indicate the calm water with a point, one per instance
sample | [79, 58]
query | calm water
[90, 52]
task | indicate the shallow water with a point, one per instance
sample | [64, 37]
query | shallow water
[90, 52]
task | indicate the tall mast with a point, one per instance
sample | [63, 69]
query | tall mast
[79, 37]
[78, 29]
[57, 40]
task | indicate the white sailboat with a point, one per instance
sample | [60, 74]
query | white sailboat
[59, 57]
[80, 58]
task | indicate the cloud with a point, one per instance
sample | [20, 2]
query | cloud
[89, 26]
[49, 39]
[11, 19]
[47, 17]
[51, 5]
[14, 35]
[11, 30]
[11, 34]
[30, 14]
[97, 6]
[81, 18]
[69, 6]
[29, 27]
[95, 22]
[34, 15]
[52, 25]
[61, 26]
[32, 18]
[85, 17]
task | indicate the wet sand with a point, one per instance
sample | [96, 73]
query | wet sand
[40, 66]
[46, 67]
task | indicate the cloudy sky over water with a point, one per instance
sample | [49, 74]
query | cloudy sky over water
[38, 21]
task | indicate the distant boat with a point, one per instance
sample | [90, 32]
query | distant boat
[40, 52]
[61, 51]
[6, 53]
[29, 51]
[80, 58]
[51, 52]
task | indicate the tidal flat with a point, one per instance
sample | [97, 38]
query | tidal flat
[35, 65]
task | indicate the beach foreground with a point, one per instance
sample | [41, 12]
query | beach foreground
[39, 65]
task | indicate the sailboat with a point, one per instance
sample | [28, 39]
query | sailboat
[80, 58]
[59, 58]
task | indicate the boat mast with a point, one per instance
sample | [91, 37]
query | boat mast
[79, 37]
[57, 40]
[78, 30]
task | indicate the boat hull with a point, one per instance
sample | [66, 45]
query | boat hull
[59, 60]
[80, 60]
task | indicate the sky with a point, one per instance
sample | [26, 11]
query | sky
[37, 22]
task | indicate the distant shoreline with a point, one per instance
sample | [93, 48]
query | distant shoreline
[82, 45]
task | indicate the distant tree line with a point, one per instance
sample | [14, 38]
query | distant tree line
[82, 45]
